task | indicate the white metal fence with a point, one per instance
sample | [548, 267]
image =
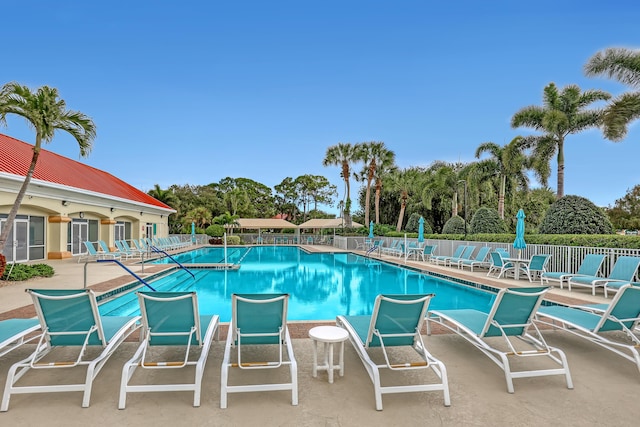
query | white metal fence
[563, 258]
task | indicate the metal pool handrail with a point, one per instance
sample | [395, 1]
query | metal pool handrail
[155, 249]
[129, 271]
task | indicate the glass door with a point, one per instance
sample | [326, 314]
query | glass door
[79, 234]
[17, 247]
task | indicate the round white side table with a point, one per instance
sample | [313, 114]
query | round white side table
[328, 335]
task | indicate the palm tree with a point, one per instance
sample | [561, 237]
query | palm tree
[622, 65]
[563, 113]
[46, 113]
[342, 155]
[165, 196]
[373, 155]
[404, 182]
[506, 163]
[386, 165]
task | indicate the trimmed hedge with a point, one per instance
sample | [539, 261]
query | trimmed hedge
[454, 225]
[575, 215]
[487, 220]
[589, 240]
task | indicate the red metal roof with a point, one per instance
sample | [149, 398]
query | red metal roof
[15, 158]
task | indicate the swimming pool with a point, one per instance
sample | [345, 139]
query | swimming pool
[320, 285]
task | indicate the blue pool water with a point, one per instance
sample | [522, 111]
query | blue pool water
[320, 286]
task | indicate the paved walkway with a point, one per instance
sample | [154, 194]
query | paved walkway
[606, 386]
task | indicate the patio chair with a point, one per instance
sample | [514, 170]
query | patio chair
[427, 252]
[511, 316]
[396, 322]
[170, 319]
[106, 252]
[15, 332]
[443, 258]
[480, 260]
[93, 254]
[497, 263]
[537, 267]
[127, 253]
[599, 324]
[466, 255]
[590, 266]
[258, 320]
[69, 318]
[624, 270]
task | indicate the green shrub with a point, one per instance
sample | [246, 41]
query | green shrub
[455, 225]
[20, 272]
[233, 240]
[214, 230]
[412, 223]
[487, 220]
[42, 270]
[575, 215]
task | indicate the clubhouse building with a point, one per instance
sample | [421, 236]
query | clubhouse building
[67, 203]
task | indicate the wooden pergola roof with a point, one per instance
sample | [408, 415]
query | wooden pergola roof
[262, 223]
[327, 223]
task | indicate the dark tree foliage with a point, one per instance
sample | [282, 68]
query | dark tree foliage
[455, 225]
[575, 215]
[625, 213]
[487, 220]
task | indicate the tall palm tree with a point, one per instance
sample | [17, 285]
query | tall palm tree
[373, 155]
[622, 65]
[563, 113]
[46, 113]
[506, 163]
[386, 165]
[342, 155]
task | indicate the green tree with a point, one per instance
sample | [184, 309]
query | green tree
[404, 183]
[343, 155]
[373, 154]
[622, 65]
[165, 196]
[46, 113]
[626, 210]
[201, 216]
[507, 164]
[563, 113]
[286, 199]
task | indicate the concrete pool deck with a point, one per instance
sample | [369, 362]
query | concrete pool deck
[606, 386]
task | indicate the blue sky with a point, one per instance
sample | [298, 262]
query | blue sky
[191, 92]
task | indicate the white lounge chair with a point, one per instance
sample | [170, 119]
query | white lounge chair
[396, 321]
[15, 332]
[511, 316]
[601, 324]
[258, 320]
[170, 319]
[69, 318]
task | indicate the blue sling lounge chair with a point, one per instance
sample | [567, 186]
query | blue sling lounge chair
[624, 270]
[258, 320]
[15, 332]
[590, 266]
[170, 319]
[599, 323]
[69, 318]
[396, 321]
[511, 316]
